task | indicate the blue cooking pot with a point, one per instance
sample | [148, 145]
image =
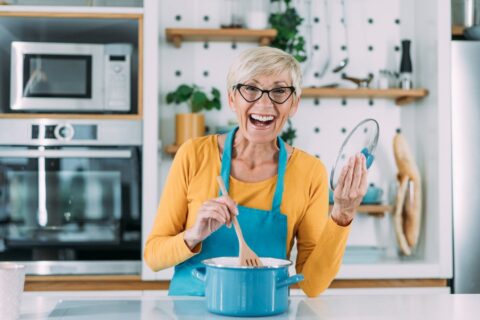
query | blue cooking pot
[243, 291]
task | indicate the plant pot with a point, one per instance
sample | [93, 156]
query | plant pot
[188, 125]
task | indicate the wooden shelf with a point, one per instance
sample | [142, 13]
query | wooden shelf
[401, 96]
[377, 210]
[263, 36]
[457, 30]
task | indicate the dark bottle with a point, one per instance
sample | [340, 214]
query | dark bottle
[406, 66]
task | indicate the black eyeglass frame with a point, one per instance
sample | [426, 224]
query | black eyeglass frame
[240, 85]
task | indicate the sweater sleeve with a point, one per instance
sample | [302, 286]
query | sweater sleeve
[320, 241]
[165, 246]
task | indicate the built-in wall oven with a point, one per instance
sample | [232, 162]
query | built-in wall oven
[70, 195]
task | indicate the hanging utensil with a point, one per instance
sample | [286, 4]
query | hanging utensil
[344, 62]
[360, 82]
[246, 255]
[363, 138]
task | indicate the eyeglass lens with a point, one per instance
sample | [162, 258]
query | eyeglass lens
[277, 95]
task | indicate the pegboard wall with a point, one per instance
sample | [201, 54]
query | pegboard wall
[368, 34]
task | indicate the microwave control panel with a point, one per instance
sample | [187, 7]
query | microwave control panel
[117, 82]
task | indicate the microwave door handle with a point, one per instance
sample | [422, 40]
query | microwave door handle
[32, 153]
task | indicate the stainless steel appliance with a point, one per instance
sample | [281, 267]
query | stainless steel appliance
[466, 165]
[70, 195]
[70, 77]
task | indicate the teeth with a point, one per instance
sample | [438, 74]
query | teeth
[262, 118]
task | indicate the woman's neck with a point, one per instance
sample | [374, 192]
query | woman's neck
[254, 154]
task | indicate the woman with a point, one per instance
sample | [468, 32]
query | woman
[279, 193]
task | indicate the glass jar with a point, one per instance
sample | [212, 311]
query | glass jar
[232, 14]
[257, 14]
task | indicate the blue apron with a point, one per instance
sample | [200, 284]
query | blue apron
[264, 231]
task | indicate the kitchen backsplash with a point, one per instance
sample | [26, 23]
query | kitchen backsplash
[371, 41]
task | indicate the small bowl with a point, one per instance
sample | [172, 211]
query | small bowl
[373, 195]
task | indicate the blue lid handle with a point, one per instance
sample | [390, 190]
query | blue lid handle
[368, 157]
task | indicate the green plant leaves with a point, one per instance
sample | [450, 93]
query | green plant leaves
[286, 23]
[181, 94]
[289, 134]
[196, 98]
[199, 101]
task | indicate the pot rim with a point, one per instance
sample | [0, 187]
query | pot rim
[210, 262]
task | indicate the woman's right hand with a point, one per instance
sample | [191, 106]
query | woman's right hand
[211, 216]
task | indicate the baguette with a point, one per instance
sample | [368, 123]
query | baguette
[407, 216]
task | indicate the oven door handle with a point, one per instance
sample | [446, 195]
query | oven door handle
[31, 153]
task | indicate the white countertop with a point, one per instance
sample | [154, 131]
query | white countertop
[108, 306]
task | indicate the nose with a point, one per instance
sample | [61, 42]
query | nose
[265, 100]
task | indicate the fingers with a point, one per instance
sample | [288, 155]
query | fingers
[219, 208]
[213, 219]
[363, 182]
[341, 179]
[352, 183]
[348, 178]
[358, 172]
[230, 206]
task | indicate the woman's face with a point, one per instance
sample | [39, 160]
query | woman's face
[262, 121]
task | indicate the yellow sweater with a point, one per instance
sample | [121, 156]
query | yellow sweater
[191, 181]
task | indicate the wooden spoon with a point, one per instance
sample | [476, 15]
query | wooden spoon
[247, 256]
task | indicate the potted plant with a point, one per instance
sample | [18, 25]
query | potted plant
[191, 125]
[289, 134]
[286, 22]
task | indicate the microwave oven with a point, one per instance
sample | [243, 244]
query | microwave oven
[70, 77]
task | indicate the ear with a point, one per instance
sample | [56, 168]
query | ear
[231, 100]
[294, 107]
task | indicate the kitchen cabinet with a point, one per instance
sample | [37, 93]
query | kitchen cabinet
[73, 24]
[95, 25]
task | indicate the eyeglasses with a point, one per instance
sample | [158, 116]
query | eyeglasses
[251, 93]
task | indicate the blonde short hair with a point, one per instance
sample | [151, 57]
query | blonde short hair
[264, 61]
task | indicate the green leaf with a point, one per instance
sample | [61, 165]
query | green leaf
[170, 97]
[215, 93]
[184, 92]
[199, 101]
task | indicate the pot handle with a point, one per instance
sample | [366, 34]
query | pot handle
[199, 273]
[289, 281]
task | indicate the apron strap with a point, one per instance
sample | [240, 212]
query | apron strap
[227, 159]
[282, 165]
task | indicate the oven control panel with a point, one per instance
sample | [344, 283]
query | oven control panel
[64, 132]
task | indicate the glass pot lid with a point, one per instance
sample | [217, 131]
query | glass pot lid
[363, 138]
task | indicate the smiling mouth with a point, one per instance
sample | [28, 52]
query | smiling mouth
[261, 120]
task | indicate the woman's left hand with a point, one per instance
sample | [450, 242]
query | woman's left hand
[350, 189]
